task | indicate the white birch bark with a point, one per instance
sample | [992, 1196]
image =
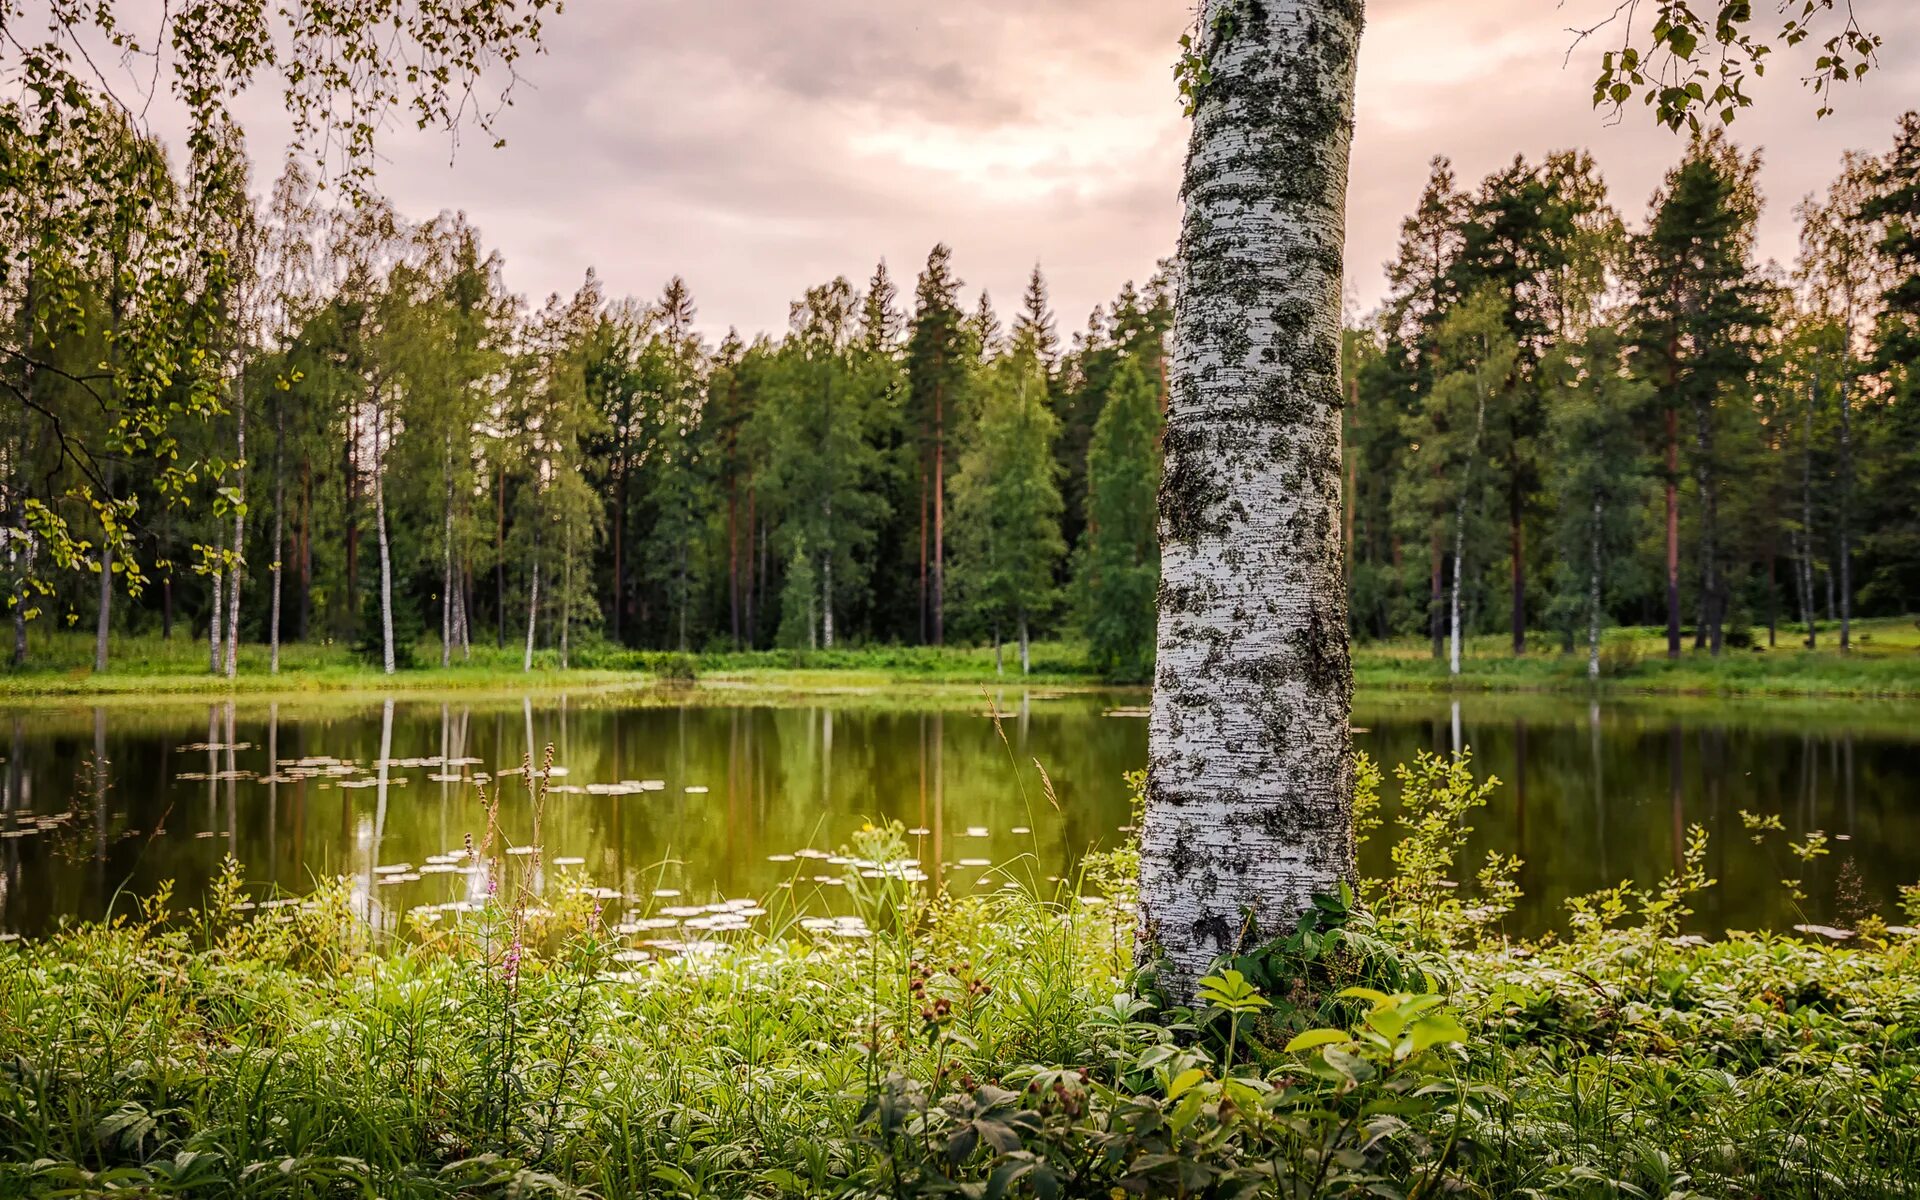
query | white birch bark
[1593, 592]
[446, 562]
[566, 597]
[215, 623]
[386, 555]
[106, 608]
[1460, 528]
[239, 523]
[533, 610]
[279, 541]
[1249, 800]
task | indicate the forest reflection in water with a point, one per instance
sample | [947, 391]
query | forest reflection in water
[689, 798]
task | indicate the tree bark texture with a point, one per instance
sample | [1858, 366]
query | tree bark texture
[1249, 801]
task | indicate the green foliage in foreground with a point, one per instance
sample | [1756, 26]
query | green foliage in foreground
[996, 1045]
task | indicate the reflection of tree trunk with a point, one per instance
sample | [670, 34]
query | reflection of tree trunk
[1599, 784]
[380, 800]
[99, 787]
[1675, 754]
[1520, 786]
[106, 607]
[273, 791]
[1846, 759]
[233, 788]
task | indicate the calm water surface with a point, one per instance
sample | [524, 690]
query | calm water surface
[701, 798]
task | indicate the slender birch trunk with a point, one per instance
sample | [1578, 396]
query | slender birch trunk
[1805, 539]
[1249, 798]
[1460, 531]
[446, 554]
[826, 585]
[1593, 591]
[106, 608]
[239, 523]
[566, 597]
[1026, 646]
[533, 608]
[279, 536]
[386, 553]
[1846, 515]
[20, 602]
[217, 622]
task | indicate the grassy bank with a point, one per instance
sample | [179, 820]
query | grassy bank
[546, 1040]
[1885, 662]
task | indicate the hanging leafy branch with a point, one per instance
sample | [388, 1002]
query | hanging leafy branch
[1692, 60]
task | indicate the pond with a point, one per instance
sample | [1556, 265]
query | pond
[684, 799]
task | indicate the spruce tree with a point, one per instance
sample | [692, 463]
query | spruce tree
[1118, 563]
[1006, 509]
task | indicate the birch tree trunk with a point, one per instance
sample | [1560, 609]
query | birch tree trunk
[106, 608]
[215, 623]
[386, 556]
[446, 560]
[1593, 592]
[533, 609]
[1026, 646]
[279, 537]
[1460, 531]
[1249, 798]
[20, 601]
[239, 523]
[1806, 515]
[566, 596]
[1453, 594]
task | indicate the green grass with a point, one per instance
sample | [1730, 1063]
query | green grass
[986, 1045]
[1885, 662]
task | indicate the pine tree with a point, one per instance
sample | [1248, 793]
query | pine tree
[1698, 312]
[939, 364]
[1118, 564]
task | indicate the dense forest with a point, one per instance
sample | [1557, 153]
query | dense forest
[344, 427]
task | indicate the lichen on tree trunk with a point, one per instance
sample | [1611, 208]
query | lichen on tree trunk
[1249, 800]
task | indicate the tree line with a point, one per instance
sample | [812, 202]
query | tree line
[386, 444]
[1554, 421]
[1559, 421]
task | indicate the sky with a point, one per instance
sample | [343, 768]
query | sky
[757, 147]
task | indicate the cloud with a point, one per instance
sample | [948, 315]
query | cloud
[761, 146]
